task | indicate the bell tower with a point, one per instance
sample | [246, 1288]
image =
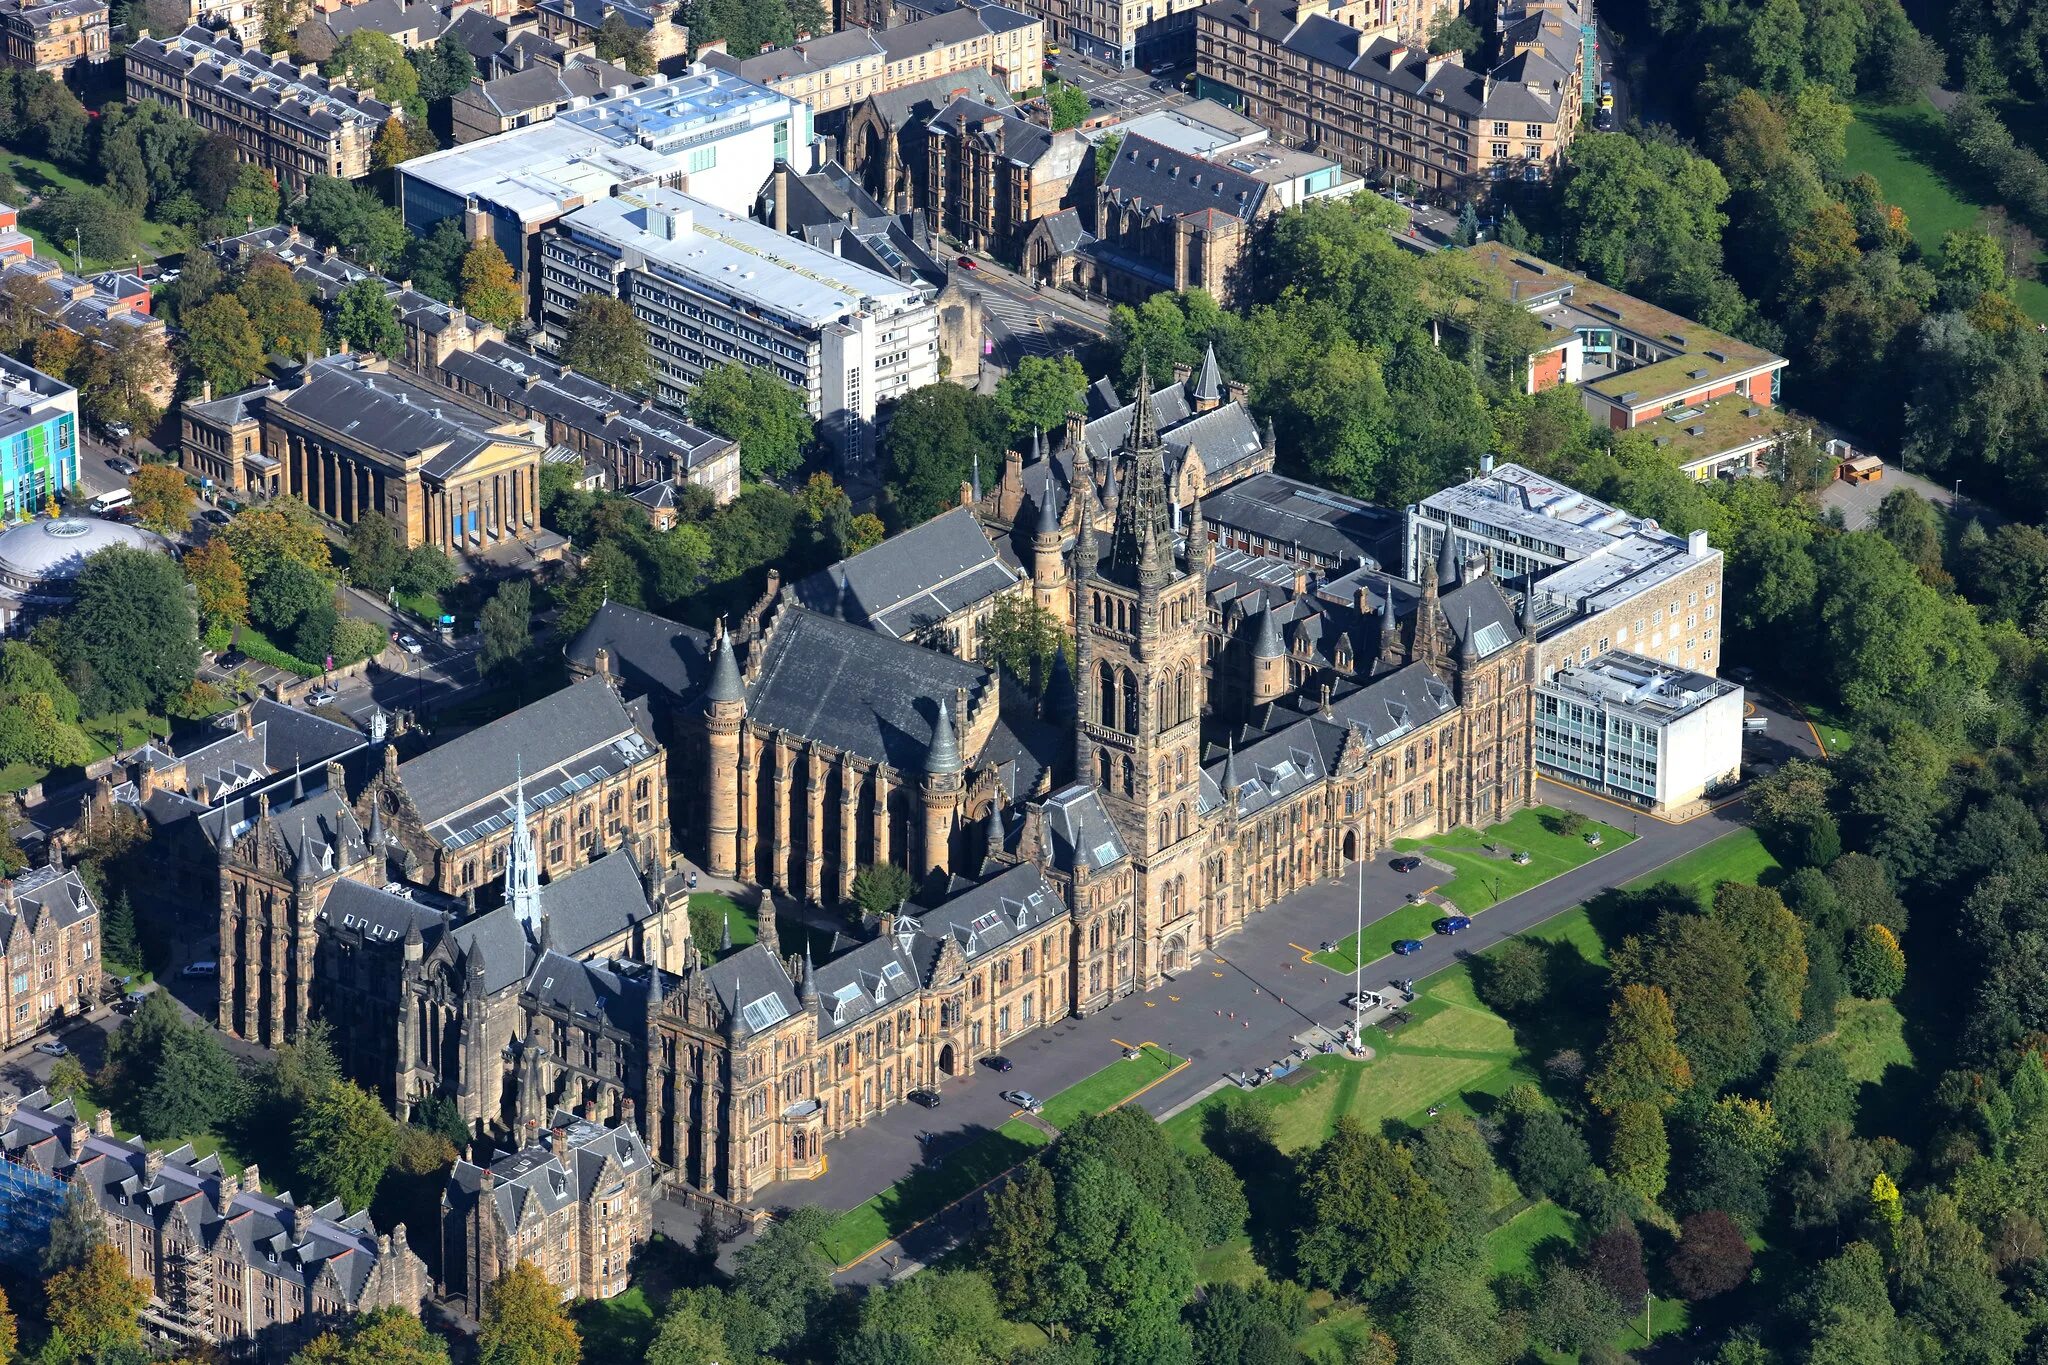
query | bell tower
[1142, 692]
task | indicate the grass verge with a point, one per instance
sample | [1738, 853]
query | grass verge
[1111, 1086]
[924, 1192]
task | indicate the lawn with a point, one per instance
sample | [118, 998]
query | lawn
[1456, 1054]
[619, 1328]
[710, 912]
[1737, 857]
[1481, 878]
[1905, 148]
[1511, 1248]
[1111, 1086]
[924, 1192]
[1870, 1035]
[41, 177]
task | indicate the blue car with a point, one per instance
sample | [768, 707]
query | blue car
[1453, 924]
[1405, 946]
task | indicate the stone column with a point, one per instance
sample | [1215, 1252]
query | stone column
[275, 969]
[849, 824]
[230, 954]
[746, 862]
[252, 970]
[814, 825]
[881, 840]
[783, 755]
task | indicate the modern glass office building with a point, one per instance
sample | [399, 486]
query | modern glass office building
[38, 439]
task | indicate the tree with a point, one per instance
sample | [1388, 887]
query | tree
[353, 219]
[783, 1274]
[688, 1336]
[171, 1078]
[1573, 1311]
[1640, 1062]
[344, 1141]
[375, 555]
[754, 408]
[118, 945]
[946, 1317]
[220, 343]
[385, 1336]
[1120, 1268]
[1615, 1258]
[93, 221]
[285, 320]
[879, 888]
[606, 342]
[1698, 964]
[1069, 105]
[366, 320]
[1638, 1152]
[1023, 637]
[281, 529]
[286, 595]
[10, 1334]
[445, 68]
[253, 199]
[1371, 1217]
[163, 500]
[1017, 1252]
[524, 1323]
[77, 1229]
[490, 290]
[1235, 1323]
[1711, 1258]
[1876, 965]
[1040, 392]
[426, 570]
[620, 41]
[434, 260]
[129, 634]
[1546, 1153]
[506, 624]
[935, 434]
[1774, 945]
[372, 61]
[1736, 1149]
[95, 1307]
[1810, 1092]
[1513, 977]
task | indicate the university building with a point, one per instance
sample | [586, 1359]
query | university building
[49, 951]
[53, 35]
[1186, 770]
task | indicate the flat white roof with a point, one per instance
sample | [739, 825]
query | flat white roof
[1637, 687]
[701, 244]
[545, 169]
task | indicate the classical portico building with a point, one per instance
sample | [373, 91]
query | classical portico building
[348, 436]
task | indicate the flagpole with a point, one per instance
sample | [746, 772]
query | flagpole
[1358, 965]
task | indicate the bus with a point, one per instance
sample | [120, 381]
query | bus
[107, 502]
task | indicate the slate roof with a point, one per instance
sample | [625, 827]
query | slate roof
[582, 909]
[280, 739]
[208, 61]
[918, 102]
[544, 86]
[576, 735]
[753, 986]
[535, 1181]
[391, 18]
[875, 976]
[1082, 832]
[583, 404]
[1065, 232]
[193, 1188]
[852, 688]
[649, 653]
[1288, 512]
[396, 417]
[324, 823]
[39, 894]
[1020, 140]
[912, 580]
[381, 913]
[1164, 183]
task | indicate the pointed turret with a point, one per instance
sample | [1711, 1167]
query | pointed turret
[992, 831]
[976, 485]
[1468, 648]
[725, 930]
[1447, 563]
[1208, 390]
[1087, 559]
[725, 675]
[1141, 542]
[735, 1025]
[1526, 616]
[1425, 638]
[377, 835]
[1049, 510]
[809, 993]
[944, 755]
[1232, 781]
[1201, 554]
[298, 784]
[1266, 643]
[307, 868]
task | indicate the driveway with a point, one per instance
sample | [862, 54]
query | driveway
[1238, 1009]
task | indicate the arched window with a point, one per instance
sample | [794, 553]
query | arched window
[1095, 600]
[1106, 682]
[1165, 830]
[1102, 774]
[1180, 821]
[1130, 781]
[1181, 704]
[1131, 695]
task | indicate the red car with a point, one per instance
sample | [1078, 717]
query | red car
[967, 263]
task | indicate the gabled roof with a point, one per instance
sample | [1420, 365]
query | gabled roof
[1165, 183]
[912, 580]
[649, 653]
[1082, 832]
[43, 897]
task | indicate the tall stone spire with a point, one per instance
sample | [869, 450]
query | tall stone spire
[1208, 390]
[522, 866]
[1141, 542]
[1447, 562]
[1390, 630]
[1426, 640]
[308, 867]
[944, 755]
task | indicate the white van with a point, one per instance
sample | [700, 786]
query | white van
[207, 968]
[107, 502]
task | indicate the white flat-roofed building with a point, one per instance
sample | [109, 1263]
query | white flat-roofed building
[709, 133]
[713, 286]
[1598, 578]
[1630, 728]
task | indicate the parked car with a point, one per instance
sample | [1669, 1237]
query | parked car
[967, 263]
[928, 1099]
[996, 1063]
[53, 1049]
[321, 696]
[1405, 864]
[1453, 924]
[231, 660]
[1404, 946]
[121, 467]
[120, 431]
[408, 644]
[206, 968]
[1024, 1100]
[213, 516]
